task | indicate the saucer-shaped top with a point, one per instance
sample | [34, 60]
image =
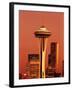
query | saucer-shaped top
[42, 32]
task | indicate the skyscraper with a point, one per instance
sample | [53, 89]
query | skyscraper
[53, 59]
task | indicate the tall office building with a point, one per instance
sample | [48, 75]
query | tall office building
[54, 54]
[34, 65]
[53, 60]
[49, 60]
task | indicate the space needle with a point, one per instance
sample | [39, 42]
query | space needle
[42, 34]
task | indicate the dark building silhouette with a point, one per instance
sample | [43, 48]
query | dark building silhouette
[52, 57]
[28, 69]
[20, 76]
[50, 72]
[52, 61]
[34, 65]
[53, 54]
[49, 60]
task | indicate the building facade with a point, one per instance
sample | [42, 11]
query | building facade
[53, 60]
[34, 65]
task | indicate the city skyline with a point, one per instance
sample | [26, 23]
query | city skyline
[30, 21]
[33, 65]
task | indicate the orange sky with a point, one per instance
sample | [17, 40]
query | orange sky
[29, 22]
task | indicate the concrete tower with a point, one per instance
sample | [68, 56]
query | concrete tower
[42, 34]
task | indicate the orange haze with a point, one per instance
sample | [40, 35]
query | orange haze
[29, 22]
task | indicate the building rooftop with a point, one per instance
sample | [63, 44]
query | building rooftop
[42, 32]
[34, 57]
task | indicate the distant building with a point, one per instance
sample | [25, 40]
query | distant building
[23, 76]
[53, 60]
[34, 65]
[28, 69]
[49, 60]
[20, 76]
[54, 54]
[50, 72]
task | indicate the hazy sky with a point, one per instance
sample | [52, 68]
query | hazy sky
[29, 22]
